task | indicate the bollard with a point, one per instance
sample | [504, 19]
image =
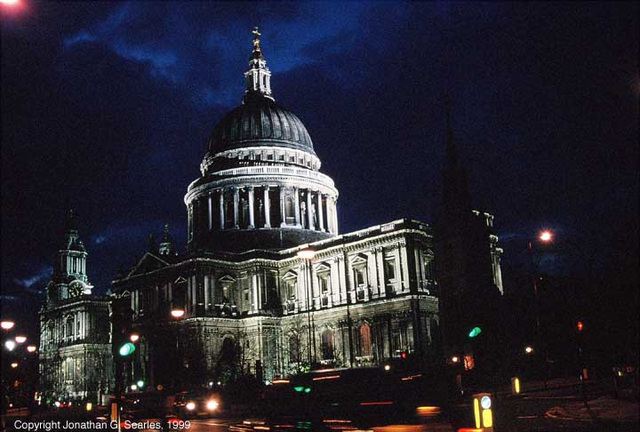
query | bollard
[515, 385]
[483, 411]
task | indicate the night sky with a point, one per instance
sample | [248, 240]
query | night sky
[107, 107]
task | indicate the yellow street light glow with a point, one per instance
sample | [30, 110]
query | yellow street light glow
[32, 348]
[21, 339]
[14, 365]
[7, 325]
[455, 359]
[9, 2]
[387, 367]
[212, 405]
[134, 337]
[546, 236]
[191, 406]
[528, 350]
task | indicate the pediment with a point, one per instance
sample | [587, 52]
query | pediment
[290, 275]
[149, 262]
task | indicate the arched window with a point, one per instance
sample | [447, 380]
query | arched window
[365, 340]
[327, 345]
[69, 329]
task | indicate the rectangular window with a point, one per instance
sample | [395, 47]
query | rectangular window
[390, 269]
[359, 276]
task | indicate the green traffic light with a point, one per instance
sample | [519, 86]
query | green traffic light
[475, 332]
[127, 349]
[298, 389]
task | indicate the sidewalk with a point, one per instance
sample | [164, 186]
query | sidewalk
[603, 408]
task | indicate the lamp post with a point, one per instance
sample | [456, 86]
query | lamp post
[307, 255]
[544, 237]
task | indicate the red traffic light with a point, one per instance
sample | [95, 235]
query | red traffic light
[403, 355]
[580, 326]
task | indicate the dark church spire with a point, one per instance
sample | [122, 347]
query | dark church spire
[258, 77]
[456, 202]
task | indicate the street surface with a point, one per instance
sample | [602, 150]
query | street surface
[560, 407]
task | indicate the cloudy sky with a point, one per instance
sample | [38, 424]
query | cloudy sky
[107, 106]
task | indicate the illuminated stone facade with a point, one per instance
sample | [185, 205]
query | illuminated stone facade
[75, 346]
[251, 302]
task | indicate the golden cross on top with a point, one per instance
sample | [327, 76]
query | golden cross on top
[256, 40]
[256, 32]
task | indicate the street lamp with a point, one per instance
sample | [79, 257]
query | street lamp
[528, 350]
[21, 339]
[10, 345]
[7, 325]
[177, 313]
[307, 255]
[546, 236]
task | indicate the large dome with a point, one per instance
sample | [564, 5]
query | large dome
[261, 185]
[259, 121]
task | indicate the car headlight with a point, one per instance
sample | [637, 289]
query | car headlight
[191, 406]
[212, 405]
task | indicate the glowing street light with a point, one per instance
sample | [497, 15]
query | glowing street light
[9, 2]
[177, 313]
[21, 339]
[455, 359]
[32, 348]
[546, 236]
[134, 337]
[7, 325]
[14, 365]
[10, 345]
[528, 350]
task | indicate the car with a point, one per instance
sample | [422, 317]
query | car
[197, 404]
[361, 399]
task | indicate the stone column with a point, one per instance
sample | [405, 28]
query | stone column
[320, 215]
[206, 293]
[254, 288]
[283, 220]
[296, 192]
[309, 211]
[221, 209]
[334, 214]
[210, 212]
[251, 217]
[267, 208]
[236, 204]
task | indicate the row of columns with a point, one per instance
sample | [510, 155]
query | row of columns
[316, 212]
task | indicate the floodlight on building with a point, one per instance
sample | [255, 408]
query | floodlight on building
[306, 254]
